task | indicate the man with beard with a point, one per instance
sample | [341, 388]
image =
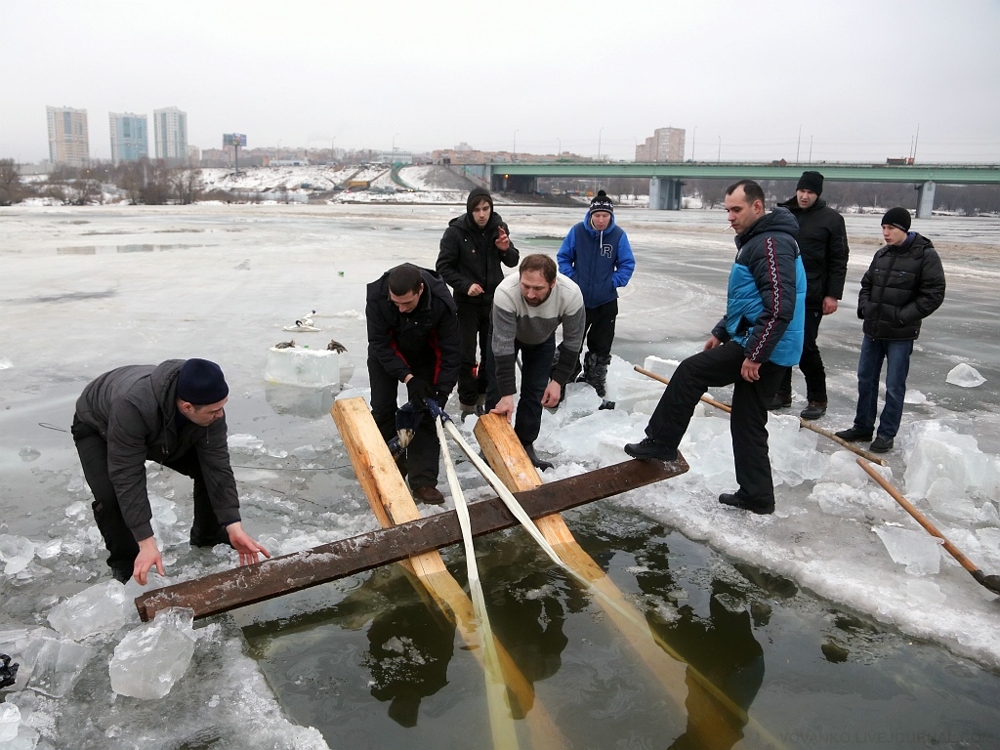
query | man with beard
[527, 310]
[823, 243]
[472, 249]
[413, 339]
[751, 348]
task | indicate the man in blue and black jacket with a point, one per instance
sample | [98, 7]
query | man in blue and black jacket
[596, 255]
[752, 347]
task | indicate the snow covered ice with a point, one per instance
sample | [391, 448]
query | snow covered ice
[296, 486]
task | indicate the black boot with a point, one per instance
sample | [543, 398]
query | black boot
[537, 462]
[583, 376]
[599, 374]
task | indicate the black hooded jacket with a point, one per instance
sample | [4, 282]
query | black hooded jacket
[427, 335]
[822, 241]
[469, 256]
[902, 286]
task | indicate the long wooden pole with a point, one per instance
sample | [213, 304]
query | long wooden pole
[802, 422]
[992, 582]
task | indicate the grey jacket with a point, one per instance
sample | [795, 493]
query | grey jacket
[134, 408]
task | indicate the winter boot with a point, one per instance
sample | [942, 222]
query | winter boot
[599, 374]
[588, 366]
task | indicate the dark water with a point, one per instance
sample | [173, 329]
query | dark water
[376, 667]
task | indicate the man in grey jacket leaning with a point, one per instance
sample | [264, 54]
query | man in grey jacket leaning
[172, 413]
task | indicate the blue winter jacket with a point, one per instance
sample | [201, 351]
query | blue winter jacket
[599, 262]
[767, 292]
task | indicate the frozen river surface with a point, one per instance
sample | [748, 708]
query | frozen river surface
[85, 290]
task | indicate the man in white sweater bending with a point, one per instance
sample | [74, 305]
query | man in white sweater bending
[527, 310]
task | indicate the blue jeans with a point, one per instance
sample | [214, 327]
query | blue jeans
[536, 367]
[896, 353]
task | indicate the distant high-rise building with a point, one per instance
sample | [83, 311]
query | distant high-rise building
[667, 144]
[171, 130]
[129, 139]
[69, 141]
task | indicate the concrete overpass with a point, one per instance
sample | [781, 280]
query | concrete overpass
[666, 179]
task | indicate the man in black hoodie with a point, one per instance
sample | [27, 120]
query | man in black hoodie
[472, 249]
[902, 286]
[413, 338]
[822, 241]
[172, 413]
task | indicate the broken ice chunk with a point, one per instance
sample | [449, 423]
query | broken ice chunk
[151, 658]
[98, 609]
[964, 376]
[16, 552]
[917, 550]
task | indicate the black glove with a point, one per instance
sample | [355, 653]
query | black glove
[418, 390]
[441, 398]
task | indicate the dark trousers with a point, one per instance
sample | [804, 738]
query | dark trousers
[421, 461]
[536, 369]
[121, 544]
[474, 323]
[600, 328]
[896, 355]
[811, 363]
[747, 423]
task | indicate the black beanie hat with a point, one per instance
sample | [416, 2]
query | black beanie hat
[602, 202]
[476, 196]
[811, 181]
[897, 217]
[201, 382]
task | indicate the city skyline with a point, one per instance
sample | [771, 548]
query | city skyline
[778, 80]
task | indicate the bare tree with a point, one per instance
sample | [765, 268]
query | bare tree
[10, 183]
[187, 185]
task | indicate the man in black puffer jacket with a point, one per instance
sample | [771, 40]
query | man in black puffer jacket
[903, 285]
[472, 249]
[822, 241]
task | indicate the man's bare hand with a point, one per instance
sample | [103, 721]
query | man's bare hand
[750, 371]
[712, 343]
[551, 396]
[829, 305]
[504, 406]
[475, 290]
[244, 544]
[502, 241]
[149, 556]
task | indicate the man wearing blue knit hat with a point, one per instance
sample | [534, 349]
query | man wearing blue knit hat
[172, 413]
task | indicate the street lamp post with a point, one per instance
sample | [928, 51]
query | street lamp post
[513, 154]
[599, 134]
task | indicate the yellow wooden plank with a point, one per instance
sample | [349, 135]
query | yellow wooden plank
[392, 503]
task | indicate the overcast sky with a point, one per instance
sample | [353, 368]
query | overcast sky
[842, 80]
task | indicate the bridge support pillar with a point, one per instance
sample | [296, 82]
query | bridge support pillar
[665, 193]
[925, 200]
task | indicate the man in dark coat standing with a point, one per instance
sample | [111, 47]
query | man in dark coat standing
[413, 338]
[172, 413]
[822, 241]
[472, 249]
[902, 286]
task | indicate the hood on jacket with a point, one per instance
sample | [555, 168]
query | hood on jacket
[779, 220]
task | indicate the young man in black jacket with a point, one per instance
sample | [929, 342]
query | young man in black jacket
[172, 413]
[903, 285]
[472, 249]
[413, 338]
[822, 242]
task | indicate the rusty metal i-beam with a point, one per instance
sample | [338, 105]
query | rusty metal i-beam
[238, 587]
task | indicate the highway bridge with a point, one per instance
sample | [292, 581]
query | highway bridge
[666, 179]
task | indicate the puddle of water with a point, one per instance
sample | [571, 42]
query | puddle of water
[379, 667]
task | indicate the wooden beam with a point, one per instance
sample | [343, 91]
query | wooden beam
[238, 587]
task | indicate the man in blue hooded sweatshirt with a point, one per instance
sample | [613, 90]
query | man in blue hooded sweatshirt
[596, 255]
[752, 347]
